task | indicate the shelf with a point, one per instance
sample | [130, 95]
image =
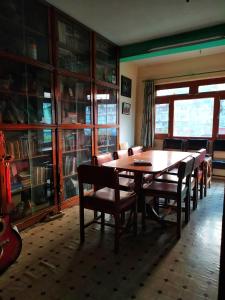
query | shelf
[111, 145]
[68, 176]
[30, 157]
[29, 187]
[70, 51]
[76, 150]
[20, 93]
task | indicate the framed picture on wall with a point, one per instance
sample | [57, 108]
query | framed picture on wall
[126, 86]
[126, 108]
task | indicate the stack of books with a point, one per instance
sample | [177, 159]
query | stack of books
[25, 179]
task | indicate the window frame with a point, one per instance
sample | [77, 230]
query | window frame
[193, 94]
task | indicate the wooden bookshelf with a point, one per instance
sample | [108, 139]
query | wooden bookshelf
[51, 74]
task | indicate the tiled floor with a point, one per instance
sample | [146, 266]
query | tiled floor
[150, 266]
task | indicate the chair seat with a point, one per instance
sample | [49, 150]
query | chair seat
[106, 197]
[218, 164]
[172, 178]
[163, 189]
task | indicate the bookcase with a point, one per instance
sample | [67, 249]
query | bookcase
[58, 105]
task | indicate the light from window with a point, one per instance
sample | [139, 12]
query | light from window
[222, 117]
[175, 91]
[161, 118]
[193, 118]
[211, 88]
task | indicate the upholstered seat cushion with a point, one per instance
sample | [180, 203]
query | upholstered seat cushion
[107, 196]
[218, 164]
[163, 189]
[173, 178]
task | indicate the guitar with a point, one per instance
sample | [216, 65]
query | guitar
[10, 240]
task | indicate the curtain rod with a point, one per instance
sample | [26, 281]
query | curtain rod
[185, 75]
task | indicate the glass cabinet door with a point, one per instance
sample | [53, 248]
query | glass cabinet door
[21, 30]
[31, 170]
[75, 96]
[77, 145]
[106, 100]
[73, 47]
[106, 61]
[25, 94]
[107, 140]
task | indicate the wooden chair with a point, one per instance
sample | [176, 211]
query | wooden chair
[135, 150]
[126, 184]
[107, 199]
[218, 158]
[207, 173]
[122, 154]
[173, 144]
[178, 192]
[196, 144]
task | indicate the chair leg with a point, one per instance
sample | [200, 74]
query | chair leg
[82, 236]
[187, 208]
[195, 196]
[102, 222]
[178, 218]
[201, 189]
[117, 232]
[135, 218]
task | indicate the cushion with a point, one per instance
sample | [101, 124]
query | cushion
[218, 164]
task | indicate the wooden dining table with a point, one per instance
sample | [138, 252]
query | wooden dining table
[155, 162]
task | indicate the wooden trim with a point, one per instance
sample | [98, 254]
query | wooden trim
[107, 84]
[25, 60]
[193, 95]
[190, 83]
[78, 76]
[75, 126]
[37, 217]
[25, 126]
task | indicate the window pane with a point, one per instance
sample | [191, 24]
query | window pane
[222, 117]
[193, 118]
[175, 91]
[161, 118]
[211, 88]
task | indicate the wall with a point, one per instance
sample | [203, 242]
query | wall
[127, 122]
[205, 64]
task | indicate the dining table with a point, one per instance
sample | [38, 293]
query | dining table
[154, 162]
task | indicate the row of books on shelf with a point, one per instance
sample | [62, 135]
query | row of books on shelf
[25, 179]
[22, 148]
[75, 141]
[69, 165]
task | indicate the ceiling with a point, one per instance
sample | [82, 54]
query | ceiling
[130, 21]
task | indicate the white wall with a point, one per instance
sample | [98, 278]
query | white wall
[127, 122]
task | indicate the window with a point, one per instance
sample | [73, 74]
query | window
[193, 118]
[175, 91]
[161, 118]
[222, 117]
[211, 88]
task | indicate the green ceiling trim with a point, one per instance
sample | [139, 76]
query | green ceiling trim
[170, 51]
[187, 37]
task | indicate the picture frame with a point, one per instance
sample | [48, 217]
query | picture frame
[126, 108]
[126, 84]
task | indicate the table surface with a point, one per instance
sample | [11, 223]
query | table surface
[160, 160]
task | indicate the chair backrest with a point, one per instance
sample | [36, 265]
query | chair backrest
[98, 176]
[135, 150]
[197, 160]
[171, 144]
[202, 153]
[219, 149]
[185, 168]
[120, 154]
[98, 160]
[196, 144]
